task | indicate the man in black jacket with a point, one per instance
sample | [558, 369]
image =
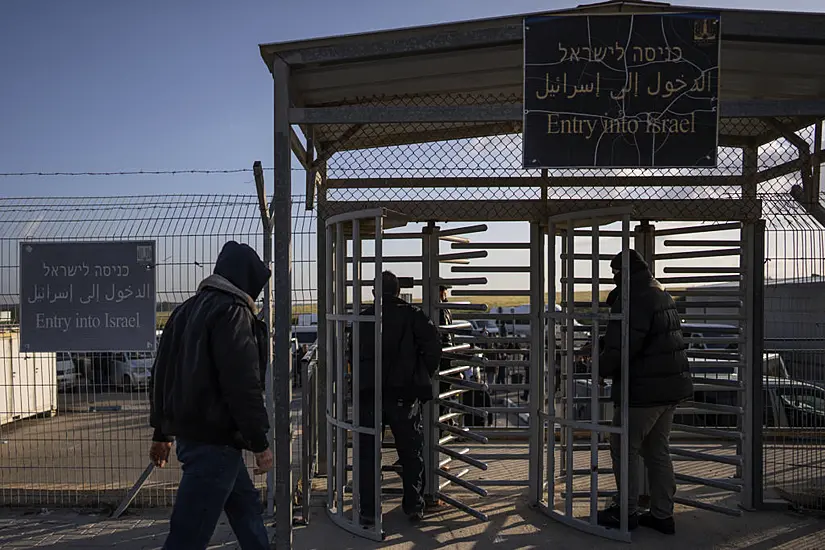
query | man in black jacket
[659, 379]
[207, 393]
[409, 342]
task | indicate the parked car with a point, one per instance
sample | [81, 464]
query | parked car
[68, 376]
[131, 370]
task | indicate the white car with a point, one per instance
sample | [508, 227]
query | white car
[131, 370]
[67, 375]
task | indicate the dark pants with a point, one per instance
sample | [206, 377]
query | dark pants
[404, 419]
[649, 437]
[214, 480]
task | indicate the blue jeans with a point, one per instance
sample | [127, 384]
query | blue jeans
[214, 480]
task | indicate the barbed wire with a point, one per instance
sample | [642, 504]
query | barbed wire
[130, 172]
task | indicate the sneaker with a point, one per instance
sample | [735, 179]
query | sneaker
[367, 522]
[665, 526]
[415, 517]
[611, 517]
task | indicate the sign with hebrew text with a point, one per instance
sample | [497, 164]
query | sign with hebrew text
[87, 296]
[621, 91]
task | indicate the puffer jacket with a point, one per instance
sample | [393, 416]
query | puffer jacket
[659, 373]
[209, 371]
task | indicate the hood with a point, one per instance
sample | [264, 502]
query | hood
[242, 267]
[637, 265]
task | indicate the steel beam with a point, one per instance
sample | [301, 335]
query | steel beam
[514, 112]
[281, 212]
[551, 182]
[518, 210]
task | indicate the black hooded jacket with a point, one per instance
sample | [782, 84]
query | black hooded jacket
[409, 339]
[209, 371]
[658, 369]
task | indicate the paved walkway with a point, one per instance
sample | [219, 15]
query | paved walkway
[512, 525]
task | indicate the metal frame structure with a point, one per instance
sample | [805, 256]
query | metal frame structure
[329, 89]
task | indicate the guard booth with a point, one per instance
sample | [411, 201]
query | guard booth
[595, 129]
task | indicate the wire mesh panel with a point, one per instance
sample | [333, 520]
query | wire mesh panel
[75, 426]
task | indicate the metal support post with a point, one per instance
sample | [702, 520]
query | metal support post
[645, 244]
[321, 372]
[429, 296]
[281, 212]
[753, 457]
[537, 370]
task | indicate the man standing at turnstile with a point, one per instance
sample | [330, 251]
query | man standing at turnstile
[411, 352]
[659, 379]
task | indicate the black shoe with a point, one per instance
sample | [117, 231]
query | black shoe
[415, 517]
[612, 517]
[665, 526]
[367, 522]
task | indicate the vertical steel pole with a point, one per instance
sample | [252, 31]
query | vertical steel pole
[356, 372]
[537, 371]
[753, 454]
[569, 366]
[595, 389]
[625, 370]
[331, 327]
[379, 390]
[340, 389]
[429, 296]
[551, 370]
[645, 244]
[324, 268]
[281, 212]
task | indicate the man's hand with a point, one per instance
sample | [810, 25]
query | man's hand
[159, 453]
[263, 462]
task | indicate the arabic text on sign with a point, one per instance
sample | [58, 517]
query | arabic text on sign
[663, 88]
[110, 293]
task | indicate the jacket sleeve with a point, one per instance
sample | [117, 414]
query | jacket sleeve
[159, 367]
[427, 341]
[235, 353]
[610, 358]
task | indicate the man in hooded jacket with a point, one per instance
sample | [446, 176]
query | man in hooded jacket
[658, 379]
[207, 396]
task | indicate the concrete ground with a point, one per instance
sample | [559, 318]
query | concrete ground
[512, 525]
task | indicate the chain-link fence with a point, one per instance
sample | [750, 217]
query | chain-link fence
[74, 428]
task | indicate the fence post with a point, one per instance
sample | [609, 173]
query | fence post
[753, 493]
[266, 225]
[281, 212]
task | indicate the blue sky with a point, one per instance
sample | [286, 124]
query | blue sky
[113, 85]
[158, 85]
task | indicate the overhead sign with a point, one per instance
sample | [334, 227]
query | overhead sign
[87, 296]
[621, 91]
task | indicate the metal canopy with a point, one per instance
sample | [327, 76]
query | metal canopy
[769, 62]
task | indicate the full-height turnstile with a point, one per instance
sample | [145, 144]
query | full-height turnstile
[345, 286]
[580, 235]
